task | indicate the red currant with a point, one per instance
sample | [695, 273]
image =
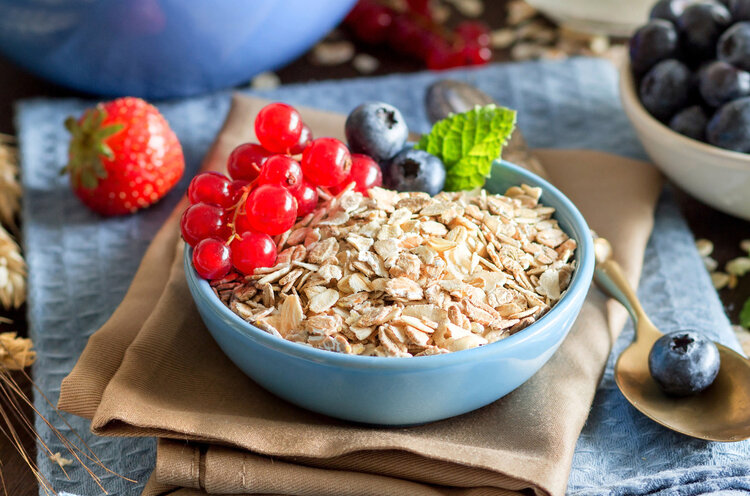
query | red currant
[212, 188]
[271, 209]
[278, 127]
[406, 36]
[252, 250]
[441, 55]
[238, 188]
[282, 170]
[242, 223]
[474, 32]
[474, 54]
[305, 137]
[212, 258]
[356, 11]
[365, 174]
[246, 160]
[201, 221]
[428, 42]
[373, 23]
[307, 198]
[421, 7]
[326, 162]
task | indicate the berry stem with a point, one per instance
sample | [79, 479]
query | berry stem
[238, 209]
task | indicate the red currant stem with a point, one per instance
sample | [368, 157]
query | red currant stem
[324, 194]
[334, 199]
[238, 209]
[349, 187]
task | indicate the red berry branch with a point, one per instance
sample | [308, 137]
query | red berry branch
[231, 219]
[415, 33]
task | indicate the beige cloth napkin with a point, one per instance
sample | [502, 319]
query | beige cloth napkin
[154, 370]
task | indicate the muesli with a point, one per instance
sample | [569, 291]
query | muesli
[408, 274]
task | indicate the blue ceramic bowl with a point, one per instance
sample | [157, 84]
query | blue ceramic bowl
[404, 391]
[160, 48]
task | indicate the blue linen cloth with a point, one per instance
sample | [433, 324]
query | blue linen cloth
[81, 265]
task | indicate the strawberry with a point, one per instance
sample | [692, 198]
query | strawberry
[123, 156]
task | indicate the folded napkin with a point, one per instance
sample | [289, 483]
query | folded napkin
[154, 370]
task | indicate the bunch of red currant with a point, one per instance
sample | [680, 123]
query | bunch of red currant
[415, 32]
[231, 219]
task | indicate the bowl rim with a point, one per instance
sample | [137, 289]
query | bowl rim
[630, 102]
[577, 290]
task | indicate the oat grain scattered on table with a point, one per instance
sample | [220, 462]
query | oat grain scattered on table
[332, 52]
[365, 64]
[265, 81]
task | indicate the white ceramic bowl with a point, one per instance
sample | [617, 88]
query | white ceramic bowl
[612, 17]
[717, 177]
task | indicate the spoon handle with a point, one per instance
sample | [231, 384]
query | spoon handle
[610, 278]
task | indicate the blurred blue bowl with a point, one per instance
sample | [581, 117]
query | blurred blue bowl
[406, 391]
[160, 48]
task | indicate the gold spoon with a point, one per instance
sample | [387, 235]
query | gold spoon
[719, 413]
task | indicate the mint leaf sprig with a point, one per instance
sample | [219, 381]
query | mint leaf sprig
[468, 143]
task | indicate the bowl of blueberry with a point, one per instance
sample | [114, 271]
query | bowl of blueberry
[686, 90]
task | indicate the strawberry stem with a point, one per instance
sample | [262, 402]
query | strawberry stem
[88, 147]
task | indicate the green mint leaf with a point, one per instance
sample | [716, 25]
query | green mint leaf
[745, 315]
[468, 143]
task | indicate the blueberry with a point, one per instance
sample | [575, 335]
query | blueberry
[734, 45]
[740, 10]
[669, 10]
[690, 122]
[700, 26]
[652, 43]
[665, 89]
[376, 129]
[721, 82]
[684, 363]
[415, 170]
[730, 126]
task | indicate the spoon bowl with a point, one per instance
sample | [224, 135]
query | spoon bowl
[719, 413]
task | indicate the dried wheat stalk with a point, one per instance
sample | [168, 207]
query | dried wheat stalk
[15, 351]
[12, 272]
[12, 264]
[15, 354]
[10, 189]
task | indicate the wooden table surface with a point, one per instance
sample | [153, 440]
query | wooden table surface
[726, 232]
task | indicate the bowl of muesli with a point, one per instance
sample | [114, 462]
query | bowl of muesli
[402, 308]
